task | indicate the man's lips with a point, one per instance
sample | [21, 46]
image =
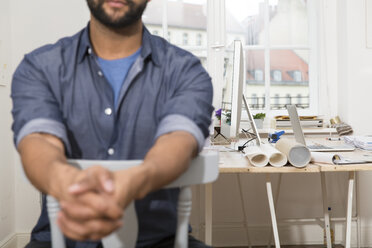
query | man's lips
[116, 3]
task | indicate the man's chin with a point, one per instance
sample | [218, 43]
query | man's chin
[114, 16]
[115, 13]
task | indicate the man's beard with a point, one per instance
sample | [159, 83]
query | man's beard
[133, 15]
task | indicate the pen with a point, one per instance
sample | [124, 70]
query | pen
[333, 139]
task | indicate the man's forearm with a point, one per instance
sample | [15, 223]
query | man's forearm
[44, 162]
[167, 160]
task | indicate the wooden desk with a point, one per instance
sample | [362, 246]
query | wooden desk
[234, 162]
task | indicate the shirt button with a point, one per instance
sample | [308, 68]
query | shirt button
[100, 73]
[90, 50]
[108, 111]
[111, 151]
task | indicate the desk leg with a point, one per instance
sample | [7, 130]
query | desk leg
[357, 203]
[208, 213]
[244, 212]
[325, 210]
[272, 210]
[349, 208]
[276, 205]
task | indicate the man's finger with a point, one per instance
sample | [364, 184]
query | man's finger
[71, 230]
[95, 178]
[92, 230]
[79, 211]
[92, 205]
[85, 182]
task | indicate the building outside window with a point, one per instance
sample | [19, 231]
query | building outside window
[182, 17]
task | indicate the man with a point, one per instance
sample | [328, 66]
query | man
[113, 91]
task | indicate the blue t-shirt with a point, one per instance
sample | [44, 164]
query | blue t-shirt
[116, 71]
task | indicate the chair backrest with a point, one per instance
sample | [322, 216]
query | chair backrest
[203, 169]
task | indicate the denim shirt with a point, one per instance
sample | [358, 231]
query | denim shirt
[60, 89]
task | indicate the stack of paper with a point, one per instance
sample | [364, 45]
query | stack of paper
[363, 142]
[349, 140]
[283, 122]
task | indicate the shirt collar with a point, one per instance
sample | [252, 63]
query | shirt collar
[148, 46]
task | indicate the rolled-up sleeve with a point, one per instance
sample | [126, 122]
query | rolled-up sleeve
[190, 107]
[35, 107]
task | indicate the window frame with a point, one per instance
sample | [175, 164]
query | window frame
[216, 43]
[312, 47]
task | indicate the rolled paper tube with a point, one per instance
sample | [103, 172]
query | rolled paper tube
[298, 154]
[276, 158]
[324, 157]
[256, 156]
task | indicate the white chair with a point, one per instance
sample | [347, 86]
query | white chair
[203, 169]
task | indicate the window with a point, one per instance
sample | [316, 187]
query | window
[155, 32]
[185, 39]
[199, 39]
[279, 38]
[297, 76]
[258, 75]
[277, 75]
[299, 99]
[276, 100]
[278, 35]
[254, 99]
[288, 99]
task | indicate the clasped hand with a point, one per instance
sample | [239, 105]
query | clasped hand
[93, 203]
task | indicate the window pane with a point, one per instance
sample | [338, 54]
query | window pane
[288, 22]
[244, 21]
[255, 79]
[293, 88]
[187, 23]
[185, 18]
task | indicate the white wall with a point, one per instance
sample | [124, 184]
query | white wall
[36, 23]
[355, 67]
[355, 87]
[6, 148]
